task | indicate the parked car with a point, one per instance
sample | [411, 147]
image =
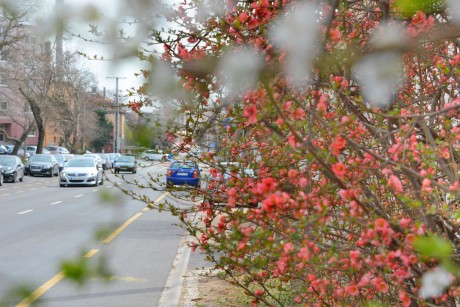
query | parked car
[218, 182]
[3, 150]
[1, 175]
[106, 164]
[58, 150]
[125, 164]
[13, 169]
[81, 171]
[154, 155]
[32, 150]
[20, 151]
[42, 164]
[183, 173]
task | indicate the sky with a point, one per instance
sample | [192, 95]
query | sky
[102, 69]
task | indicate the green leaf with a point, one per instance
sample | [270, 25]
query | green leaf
[434, 247]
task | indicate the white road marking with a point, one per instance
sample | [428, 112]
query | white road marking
[5, 194]
[56, 202]
[77, 196]
[95, 190]
[24, 212]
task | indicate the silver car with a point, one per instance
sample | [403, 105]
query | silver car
[81, 171]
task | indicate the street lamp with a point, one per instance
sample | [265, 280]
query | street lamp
[115, 144]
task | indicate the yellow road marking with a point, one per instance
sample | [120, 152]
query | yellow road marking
[91, 253]
[121, 228]
[41, 290]
[150, 206]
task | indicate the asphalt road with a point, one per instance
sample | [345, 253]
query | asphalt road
[42, 224]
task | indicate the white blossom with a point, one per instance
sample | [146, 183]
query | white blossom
[435, 282]
[297, 34]
[389, 35]
[379, 76]
[239, 69]
[454, 9]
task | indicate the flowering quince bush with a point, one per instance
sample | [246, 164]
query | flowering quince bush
[349, 111]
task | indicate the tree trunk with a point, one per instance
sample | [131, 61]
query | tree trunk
[36, 111]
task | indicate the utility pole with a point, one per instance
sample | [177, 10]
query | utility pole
[115, 143]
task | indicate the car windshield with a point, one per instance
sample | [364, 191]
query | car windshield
[36, 158]
[7, 161]
[125, 159]
[80, 163]
[179, 164]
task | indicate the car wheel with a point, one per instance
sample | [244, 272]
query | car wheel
[22, 178]
[102, 181]
[51, 174]
[1, 180]
[62, 185]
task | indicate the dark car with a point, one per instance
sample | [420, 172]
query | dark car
[183, 173]
[13, 169]
[42, 164]
[125, 164]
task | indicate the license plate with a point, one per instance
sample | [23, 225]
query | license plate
[182, 174]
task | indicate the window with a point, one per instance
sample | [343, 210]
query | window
[3, 80]
[4, 106]
[2, 137]
[32, 133]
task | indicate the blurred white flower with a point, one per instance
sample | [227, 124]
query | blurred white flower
[163, 83]
[379, 76]
[454, 9]
[389, 35]
[210, 8]
[434, 282]
[239, 69]
[297, 34]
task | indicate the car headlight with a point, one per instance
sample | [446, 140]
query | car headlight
[63, 174]
[46, 166]
[91, 174]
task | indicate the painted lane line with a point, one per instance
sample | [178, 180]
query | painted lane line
[77, 196]
[5, 194]
[24, 212]
[150, 206]
[49, 284]
[41, 290]
[121, 228]
[91, 253]
[20, 191]
[56, 202]
[95, 190]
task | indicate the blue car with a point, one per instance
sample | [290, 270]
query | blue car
[183, 173]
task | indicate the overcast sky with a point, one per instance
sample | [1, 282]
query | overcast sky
[102, 69]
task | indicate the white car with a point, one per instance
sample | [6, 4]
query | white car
[154, 155]
[81, 171]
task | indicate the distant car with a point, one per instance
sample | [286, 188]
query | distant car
[106, 164]
[3, 150]
[32, 150]
[58, 150]
[61, 160]
[20, 151]
[42, 164]
[113, 157]
[13, 169]
[125, 164]
[81, 171]
[154, 155]
[96, 157]
[183, 173]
